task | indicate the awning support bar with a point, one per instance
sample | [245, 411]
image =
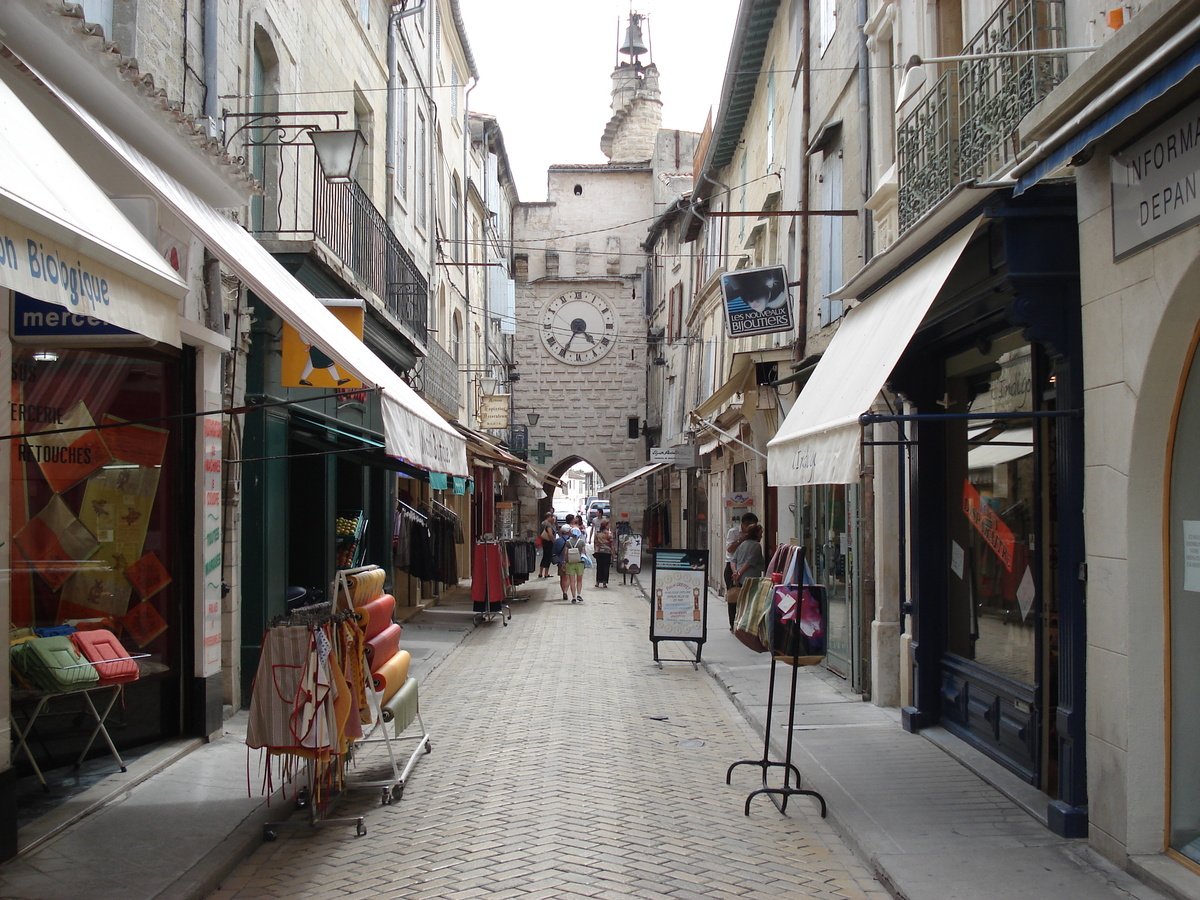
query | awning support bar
[870, 418]
[712, 427]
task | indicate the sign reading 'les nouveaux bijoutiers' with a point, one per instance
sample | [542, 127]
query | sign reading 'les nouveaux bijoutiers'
[1156, 183]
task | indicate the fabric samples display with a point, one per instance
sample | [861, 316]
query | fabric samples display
[384, 644]
[391, 674]
[375, 615]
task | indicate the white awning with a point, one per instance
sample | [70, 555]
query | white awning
[818, 442]
[413, 431]
[63, 241]
[634, 476]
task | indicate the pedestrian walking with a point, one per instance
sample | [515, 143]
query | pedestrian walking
[748, 562]
[559, 557]
[546, 539]
[573, 566]
[603, 547]
[733, 540]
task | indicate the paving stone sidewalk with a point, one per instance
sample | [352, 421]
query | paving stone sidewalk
[565, 764]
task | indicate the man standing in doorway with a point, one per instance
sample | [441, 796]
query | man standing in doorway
[733, 539]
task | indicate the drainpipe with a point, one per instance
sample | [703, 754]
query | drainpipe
[463, 249]
[397, 13]
[864, 124]
[805, 177]
[212, 102]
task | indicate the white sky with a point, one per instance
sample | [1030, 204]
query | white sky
[545, 67]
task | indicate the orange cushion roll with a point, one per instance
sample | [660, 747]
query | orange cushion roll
[392, 675]
[375, 615]
[383, 646]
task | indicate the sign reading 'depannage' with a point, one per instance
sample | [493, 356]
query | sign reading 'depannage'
[1155, 183]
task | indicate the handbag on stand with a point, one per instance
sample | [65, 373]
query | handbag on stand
[753, 606]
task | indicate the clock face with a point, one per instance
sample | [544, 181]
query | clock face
[578, 327]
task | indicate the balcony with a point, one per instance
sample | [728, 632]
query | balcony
[436, 379]
[965, 127]
[337, 220]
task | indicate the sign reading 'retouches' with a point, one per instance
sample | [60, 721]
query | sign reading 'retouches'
[1154, 183]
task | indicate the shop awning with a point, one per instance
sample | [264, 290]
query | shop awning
[64, 242]
[482, 448]
[634, 476]
[1135, 90]
[741, 378]
[413, 431]
[818, 442]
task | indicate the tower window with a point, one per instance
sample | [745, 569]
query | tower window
[579, 190]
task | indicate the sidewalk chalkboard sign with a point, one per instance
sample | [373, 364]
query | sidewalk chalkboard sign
[679, 598]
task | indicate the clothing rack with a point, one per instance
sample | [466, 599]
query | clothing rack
[490, 582]
[788, 559]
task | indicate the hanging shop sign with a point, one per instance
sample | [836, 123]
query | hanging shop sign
[493, 412]
[739, 499]
[679, 597]
[1154, 183]
[304, 364]
[757, 301]
[682, 455]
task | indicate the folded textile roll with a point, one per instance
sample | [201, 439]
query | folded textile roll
[391, 675]
[375, 615]
[366, 585]
[402, 708]
[383, 646]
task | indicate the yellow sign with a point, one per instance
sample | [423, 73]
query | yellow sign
[306, 365]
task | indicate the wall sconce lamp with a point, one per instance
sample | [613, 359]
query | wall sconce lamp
[533, 418]
[338, 151]
[914, 69]
[487, 385]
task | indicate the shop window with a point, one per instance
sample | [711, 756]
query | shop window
[93, 511]
[1184, 625]
[993, 498]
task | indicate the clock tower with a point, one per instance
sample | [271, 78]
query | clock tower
[581, 340]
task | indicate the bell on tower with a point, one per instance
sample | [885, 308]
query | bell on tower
[633, 44]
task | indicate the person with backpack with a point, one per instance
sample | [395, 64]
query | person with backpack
[573, 566]
[559, 551]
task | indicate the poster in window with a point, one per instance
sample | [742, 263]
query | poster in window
[66, 457]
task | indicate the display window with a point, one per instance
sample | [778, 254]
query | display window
[993, 503]
[1184, 625]
[93, 512]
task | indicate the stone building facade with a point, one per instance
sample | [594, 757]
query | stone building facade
[584, 268]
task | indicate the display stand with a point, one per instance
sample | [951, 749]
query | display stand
[679, 601]
[100, 715]
[789, 645]
[383, 715]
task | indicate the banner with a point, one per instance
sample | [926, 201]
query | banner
[306, 365]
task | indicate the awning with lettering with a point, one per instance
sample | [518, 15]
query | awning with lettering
[64, 242]
[413, 430]
[818, 442]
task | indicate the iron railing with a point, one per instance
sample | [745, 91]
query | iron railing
[965, 128]
[435, 378]
[345, 220]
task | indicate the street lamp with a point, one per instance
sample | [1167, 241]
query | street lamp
[533, 417]
[487, 385]
[914, 69]
[338, 151]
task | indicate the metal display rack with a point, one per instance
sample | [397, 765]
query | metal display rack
[785, 646]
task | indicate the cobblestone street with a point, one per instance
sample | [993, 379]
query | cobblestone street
[565, 764]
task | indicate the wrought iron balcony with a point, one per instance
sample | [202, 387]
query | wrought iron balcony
[345, 220]
[340, 216]
[436, 379]
[965, 128]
